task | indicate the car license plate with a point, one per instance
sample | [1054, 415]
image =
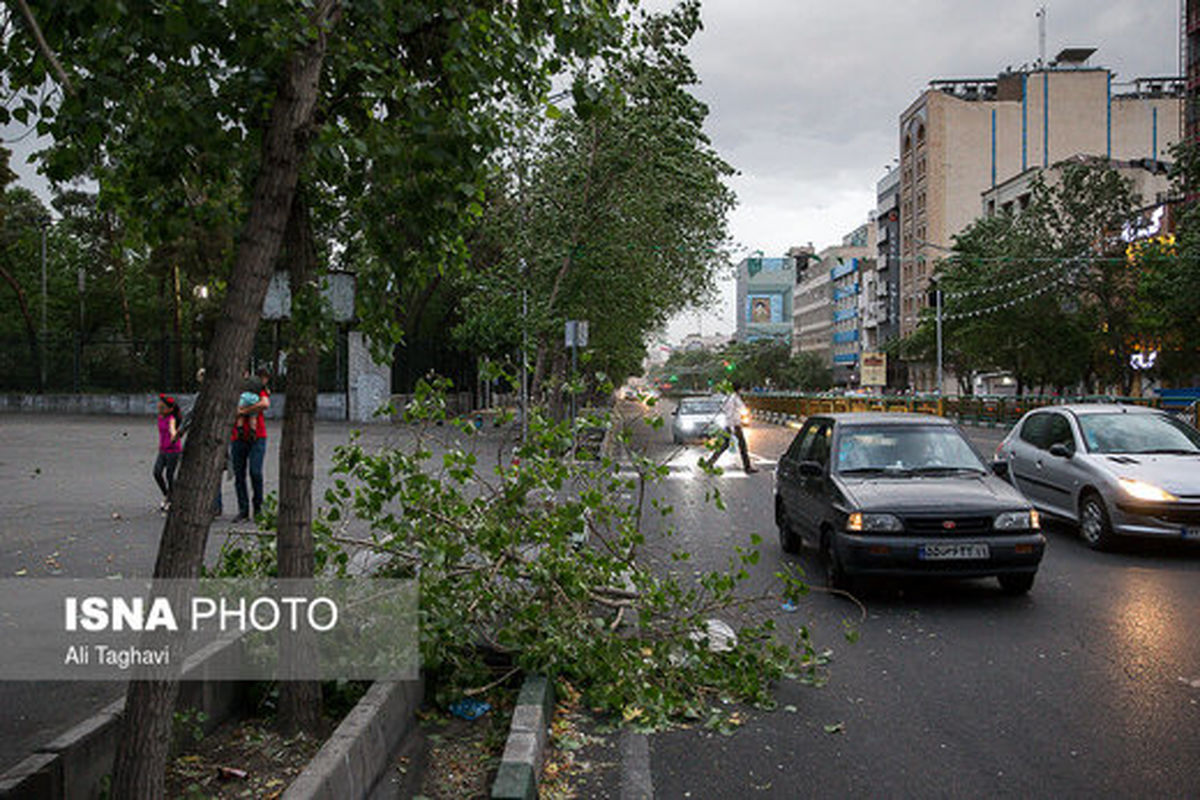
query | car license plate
[957, 550]
[1191, 533]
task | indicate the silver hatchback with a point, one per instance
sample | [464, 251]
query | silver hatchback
[1115, 470]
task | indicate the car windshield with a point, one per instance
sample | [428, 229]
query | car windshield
[1137, 433]
[904, 449]
[704, 405]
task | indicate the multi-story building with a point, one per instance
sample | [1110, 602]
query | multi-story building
[827, 292]
[879, 305]
[1148, 179]
[764, 298]
[853, 266]
[962, 137]
[814, 312]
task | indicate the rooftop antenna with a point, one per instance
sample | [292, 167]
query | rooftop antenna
[1041, 15]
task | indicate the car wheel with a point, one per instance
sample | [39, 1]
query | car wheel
[789, 540]
[676, 438]
[835, 572]
[1019, 583]
[1094, 524]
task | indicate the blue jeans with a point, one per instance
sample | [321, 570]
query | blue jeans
[252, 454]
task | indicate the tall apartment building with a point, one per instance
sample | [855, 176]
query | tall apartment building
[827, 293]
[879, 302]
[963, 137]
[813, 319]
[764, 298]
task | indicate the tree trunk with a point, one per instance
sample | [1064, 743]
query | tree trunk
[141, 756]
[299, 700]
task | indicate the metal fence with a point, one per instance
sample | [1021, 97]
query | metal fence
[72, 364]
[978, 410]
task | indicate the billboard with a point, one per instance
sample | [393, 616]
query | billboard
[874, 369]
[760, 309]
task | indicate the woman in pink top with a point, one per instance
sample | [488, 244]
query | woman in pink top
[169, 447]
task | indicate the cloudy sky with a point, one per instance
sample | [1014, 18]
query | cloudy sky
[805, 96]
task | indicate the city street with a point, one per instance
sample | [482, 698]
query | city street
[1089, 686]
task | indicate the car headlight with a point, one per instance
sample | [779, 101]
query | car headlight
[1018, 521]
[1141, 490]
[873, 523]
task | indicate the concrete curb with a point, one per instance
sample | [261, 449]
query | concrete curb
[525, 750]
[354, 761]
[76, 762]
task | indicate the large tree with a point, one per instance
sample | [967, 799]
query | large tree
[614, 212]
[192, 110]
[1046, 293]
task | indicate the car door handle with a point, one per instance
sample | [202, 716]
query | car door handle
[1038, 463]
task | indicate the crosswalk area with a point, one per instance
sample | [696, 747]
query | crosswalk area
[684, 465]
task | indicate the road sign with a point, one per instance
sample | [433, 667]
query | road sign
[577, 333]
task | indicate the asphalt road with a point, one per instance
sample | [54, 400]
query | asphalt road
[1087, 687]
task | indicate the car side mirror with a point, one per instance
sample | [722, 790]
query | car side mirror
[1061, 450]
[810, 469]
[1000, 468]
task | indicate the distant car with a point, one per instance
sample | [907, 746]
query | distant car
[1116, 470]
[904, 495]
[697, 418]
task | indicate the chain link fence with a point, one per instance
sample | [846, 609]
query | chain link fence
[58, 364]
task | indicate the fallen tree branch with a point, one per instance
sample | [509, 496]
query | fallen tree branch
[492, 685]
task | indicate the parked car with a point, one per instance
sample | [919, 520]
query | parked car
[697, 417]
[1115, 470]
[905, 495]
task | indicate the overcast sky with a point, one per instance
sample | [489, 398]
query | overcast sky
[805, 96]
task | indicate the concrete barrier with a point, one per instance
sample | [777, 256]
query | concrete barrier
[354, 761]
[75, 764]
[525, 751]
